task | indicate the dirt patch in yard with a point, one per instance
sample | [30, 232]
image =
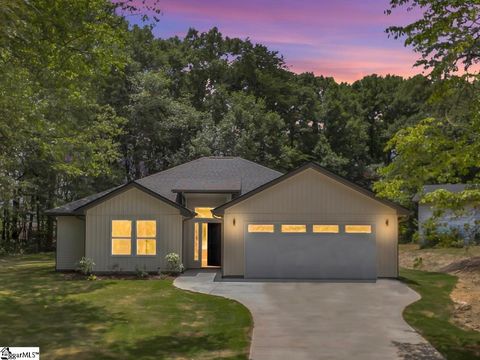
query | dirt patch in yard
[465, 264]
[466, 294]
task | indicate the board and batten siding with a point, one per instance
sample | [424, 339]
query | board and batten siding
[132, 204]
[70, 242]
[310, 197]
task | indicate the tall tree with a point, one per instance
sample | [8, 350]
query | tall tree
[53, 131]
[446, 35]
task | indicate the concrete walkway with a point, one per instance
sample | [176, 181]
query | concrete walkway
[322, 320]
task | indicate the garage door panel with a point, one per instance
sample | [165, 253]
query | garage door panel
[310, 256]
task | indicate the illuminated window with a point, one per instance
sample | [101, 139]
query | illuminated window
[204, 212]
[294, 228]
[358, 229]
[332, 229]
[196, 242]
[204, 244]
[121, 237]
[146, 237]
[254, 228]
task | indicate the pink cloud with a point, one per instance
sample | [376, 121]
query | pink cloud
[342, 38]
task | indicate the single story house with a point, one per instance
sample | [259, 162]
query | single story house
[447, 219]
[234, 214]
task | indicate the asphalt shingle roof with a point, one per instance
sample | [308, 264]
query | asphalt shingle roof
[205, 174]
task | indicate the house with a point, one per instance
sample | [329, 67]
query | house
[234, 214]
[448, 219]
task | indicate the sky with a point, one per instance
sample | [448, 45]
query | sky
[345, 39]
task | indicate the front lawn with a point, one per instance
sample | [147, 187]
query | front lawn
[431, 316]
[114, 319]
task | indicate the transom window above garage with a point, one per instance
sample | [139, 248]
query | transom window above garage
[261, 228]
[294, 228]
[328, 229]
[358, 229]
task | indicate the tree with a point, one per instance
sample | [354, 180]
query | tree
[161, 130]
[446, 36]
[53, 131]
[434, 151]
[444, 148]
[249, 130]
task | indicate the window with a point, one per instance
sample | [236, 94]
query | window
[254, 228]
[204, 212]
[121, 237]
[358, 229]
[332, 229]
[196, 242]
[204, 244]
[294, 228]
[146, 237]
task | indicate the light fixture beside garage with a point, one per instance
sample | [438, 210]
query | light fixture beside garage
[386, 222]
[234, 221]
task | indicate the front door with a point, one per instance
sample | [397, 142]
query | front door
[214, 251]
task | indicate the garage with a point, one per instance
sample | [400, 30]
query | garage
[310, 224]
[310, 251]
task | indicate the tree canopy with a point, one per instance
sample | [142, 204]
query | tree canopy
[88, 102]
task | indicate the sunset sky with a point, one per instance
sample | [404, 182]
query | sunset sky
[345, 39]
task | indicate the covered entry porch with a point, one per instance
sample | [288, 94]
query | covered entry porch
[203, 234]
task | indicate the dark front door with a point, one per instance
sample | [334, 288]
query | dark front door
[214, 244]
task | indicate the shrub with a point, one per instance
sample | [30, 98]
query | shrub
[85, 265]
[141, 273]
[439, 235]
[451, 237]
[91, 277]
[174, 265]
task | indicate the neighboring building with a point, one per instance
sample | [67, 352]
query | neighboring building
[228, 212]
[448, 219]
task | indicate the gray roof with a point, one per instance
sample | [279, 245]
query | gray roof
[208, 185]
[207, 174]
[454, 188]
[69, 208]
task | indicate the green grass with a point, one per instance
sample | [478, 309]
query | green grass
[431, 316]
[114, 319]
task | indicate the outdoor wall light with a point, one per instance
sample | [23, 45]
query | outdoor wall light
[234, 222]
[386, 222]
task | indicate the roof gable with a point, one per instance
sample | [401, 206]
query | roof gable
[222, 174]
[401, 210]
[108, 194]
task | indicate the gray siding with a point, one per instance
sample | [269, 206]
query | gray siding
[70, 242]
[448, 219]
[310, 197]
[132, 204]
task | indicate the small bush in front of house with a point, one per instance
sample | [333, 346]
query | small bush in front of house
[91, 277]
[174, 265]
[141, 273]
[85, 265]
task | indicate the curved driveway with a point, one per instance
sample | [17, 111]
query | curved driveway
[322, 320]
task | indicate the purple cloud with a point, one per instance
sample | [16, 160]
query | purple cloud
[345, 39]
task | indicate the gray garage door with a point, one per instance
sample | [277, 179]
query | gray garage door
[310, 255]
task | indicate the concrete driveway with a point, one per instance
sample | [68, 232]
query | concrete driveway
[322, 320]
